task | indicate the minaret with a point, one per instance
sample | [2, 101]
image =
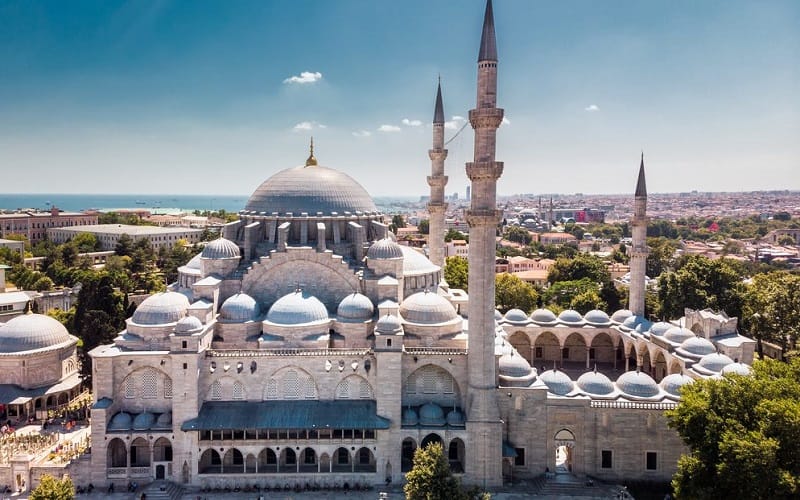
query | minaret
[484, 427]
[639, 250]
[437, 181]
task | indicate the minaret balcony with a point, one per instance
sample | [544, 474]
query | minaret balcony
[437, 180]
[486, 117]
[437, 154]
[484, 170]
[483, 217]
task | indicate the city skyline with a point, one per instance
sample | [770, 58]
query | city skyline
[158, 97]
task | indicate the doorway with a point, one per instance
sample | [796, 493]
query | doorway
[564, 446]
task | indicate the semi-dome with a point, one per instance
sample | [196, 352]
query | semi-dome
[714, 362]
[513, 365]
[660, 328]
[427, 308]
[410, 417]
[672, 383]
[678, 335]
[310, 189]
[385, 249]
[637, 384]
[32, 331]
[415, 264]
[595, 383]
[431, 414]
[221, 249]
[621, 315]
[557, 382]
[516, 316]
[122, 421]
[737, 369]
[188, 324]
[597, 317]
[355, 307]
[570, 316]
[297, 308]
[696, 346]
[239, 308]
[543, 316]
[388, 324]
[161, 309]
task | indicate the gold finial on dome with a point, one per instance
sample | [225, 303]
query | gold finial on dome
[311, 161]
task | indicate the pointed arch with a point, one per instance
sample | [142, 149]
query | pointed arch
[292, 382]
[433, 384]
[354, 387]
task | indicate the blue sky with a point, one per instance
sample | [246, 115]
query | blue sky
[198, 96]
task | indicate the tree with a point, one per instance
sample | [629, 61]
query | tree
[456, 272]
[455, 234]
[124, 245]
[771, 308]
[51, 488]
[742, 432]
[510, 292]
[518, 235]
[586, 301]
[397, 222]
[424, 226]
[430, 478]
[786, 240]
[86, 242]
[661, 255]
[700, 283]
[561, 293]
[582, 266]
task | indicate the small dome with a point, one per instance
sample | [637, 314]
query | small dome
[221, 249]
[355, 307]
[195, 262]
[188, 324]
[697, 346]
[737, 369]
[660, 328]
[164, 420]
[431, 414]
[144, 421]
[427, 308]
[388, 324]
[516, 316]
[410, 417]
[557, 382]
[455, 418]
[161, 309]
[514, 365]
[497, 315]
[637, 384]
[239, 308]
[543, 316]
[715, 362]
[122, 421]
[384, 249]
[672, 383]
[631, 322]
[32, 331]
[297, 308]
[595, 383]
[678, 335]
[416, 264]
[570, 316]
[621, 315]
[596, 317]
[644, 326]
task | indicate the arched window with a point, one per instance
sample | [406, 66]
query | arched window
[149, 384]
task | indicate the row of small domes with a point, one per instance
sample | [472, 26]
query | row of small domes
[546, 317]
[431, 414]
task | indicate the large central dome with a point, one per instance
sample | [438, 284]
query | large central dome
[310, 189]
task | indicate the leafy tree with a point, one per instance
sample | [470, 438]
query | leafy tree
[455, 234]
[556, 251]
[586, 301]
[561, 293]
[424, 226]
[518, 235]
[397, 222]
[456, 272]
[700, 283]
[124, 246]
[742, 433]
[786, 240]
[661, 255]
[512, 292]
[86, 242]
[430, 478]
[51, 488]
[771, 309]
[582, 266]
[612, 297]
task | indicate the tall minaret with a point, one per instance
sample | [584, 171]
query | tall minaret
[437, 180]
[484, 426]
[639, 251]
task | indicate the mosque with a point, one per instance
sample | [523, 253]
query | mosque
[306, 346]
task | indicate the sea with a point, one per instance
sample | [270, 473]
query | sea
[160, 204]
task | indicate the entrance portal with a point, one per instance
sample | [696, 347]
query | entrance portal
[565, 443]
[160, 472]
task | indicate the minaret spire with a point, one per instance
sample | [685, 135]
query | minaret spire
[437, 181]
[641, 188]
[639, 250]
[311, 161]
[483, 412]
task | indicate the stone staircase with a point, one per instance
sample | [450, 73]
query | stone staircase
[568, 486]
[162, 490]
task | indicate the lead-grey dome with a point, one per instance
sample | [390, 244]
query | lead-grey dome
[512, 364]
[570, 316]
[221, 249]
[297, 308]
[637, 384]
[187, 325]
[696, 346]
[516, 316]
[737, 369]
[32, 331]
[239, 308]
[543, 316]
[557, 382]
[672, 383]
[161, 309]
[678, 335]
[621, 315]
[659, 328]
[310, 189]
[122, 421]
[597, 317]
[415, 264]
[385, 249]
[388, 324]
[431, 414]
[596, 383]
[715, 362]
[427, 308]
[355, 307]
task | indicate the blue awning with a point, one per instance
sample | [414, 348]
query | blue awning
[341, 414]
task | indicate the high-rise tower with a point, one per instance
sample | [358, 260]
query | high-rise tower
[437, 181]
[639, 251]
[483, 415]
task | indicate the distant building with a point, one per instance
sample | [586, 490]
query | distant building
[776, 234]
[108, 234]
[556, 238]
[456, 248]
[17, 246]
[34, 225]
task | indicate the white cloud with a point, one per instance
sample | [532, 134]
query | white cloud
[591, 108]
[308, 126]
[388, 128]
[362, 133]
[455, 122]
[305, 77]
[412, 123]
